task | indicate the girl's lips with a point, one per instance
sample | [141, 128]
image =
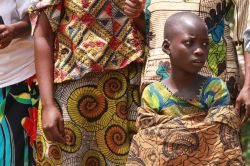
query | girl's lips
[198, 62]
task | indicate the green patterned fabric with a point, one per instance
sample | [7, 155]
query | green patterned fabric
[158, 97]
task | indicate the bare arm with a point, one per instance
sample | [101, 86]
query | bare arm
[244, 96]
[13, 31]
[140, 23]
[22, 28]
[52, 120]
[134, 10]
[247, 69]
[43, 38]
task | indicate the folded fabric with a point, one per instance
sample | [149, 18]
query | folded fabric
[203, 138]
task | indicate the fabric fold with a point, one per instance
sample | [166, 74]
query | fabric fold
[204, 138]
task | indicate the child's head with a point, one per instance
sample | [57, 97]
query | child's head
[186, 42]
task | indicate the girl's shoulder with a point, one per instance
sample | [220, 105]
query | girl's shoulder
[214, 83]
[215, 86]
[155, 96]
[157, 90]
[155, 87]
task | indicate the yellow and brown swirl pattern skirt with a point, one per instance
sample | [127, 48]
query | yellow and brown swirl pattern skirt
[99, 112]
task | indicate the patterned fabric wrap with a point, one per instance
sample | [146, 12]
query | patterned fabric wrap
[222, 60]
[18, 119]
[99, 113]
[175, 131]
[91, 36]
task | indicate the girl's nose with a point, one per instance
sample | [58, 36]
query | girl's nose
[199, 52]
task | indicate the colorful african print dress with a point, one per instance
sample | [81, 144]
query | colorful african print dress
[222, 60]
[97, 76]
[18, 119]
[175, 131]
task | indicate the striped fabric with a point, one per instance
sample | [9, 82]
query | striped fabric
[242, 19]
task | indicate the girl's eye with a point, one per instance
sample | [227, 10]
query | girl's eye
[188, 43]
[205, 44]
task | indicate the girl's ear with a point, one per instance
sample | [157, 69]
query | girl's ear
[166, 46]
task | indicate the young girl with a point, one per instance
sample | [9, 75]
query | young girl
[183, 119]
[222, 60]
[18, 93]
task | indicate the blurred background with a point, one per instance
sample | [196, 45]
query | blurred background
[245, 130]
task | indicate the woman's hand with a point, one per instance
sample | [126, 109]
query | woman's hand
[16, 30]
[244, 99]
[53, 124]
[6, 35]
[134, 8]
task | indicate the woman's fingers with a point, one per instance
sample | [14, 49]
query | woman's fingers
[133, 8]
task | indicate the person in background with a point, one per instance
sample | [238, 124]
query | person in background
[88, 60]
[18, 91]
[242, 21]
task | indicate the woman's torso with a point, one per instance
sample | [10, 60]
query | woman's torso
[94, 36]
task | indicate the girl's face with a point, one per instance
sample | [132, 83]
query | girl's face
[189, 48]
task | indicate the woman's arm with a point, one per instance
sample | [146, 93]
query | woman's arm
[244, 96]
[13, 31]
[51, 117]
[134, 10]
[140, 23]
[43, 38]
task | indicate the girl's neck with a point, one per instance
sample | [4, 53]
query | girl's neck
[183, 79]
[183, 84]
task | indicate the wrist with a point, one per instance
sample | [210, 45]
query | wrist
[246, 81]
[246, 86]
[20, 29]
[11, 29]
[46, 91]
[47, 102]
[139, 17]
[140, 23]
